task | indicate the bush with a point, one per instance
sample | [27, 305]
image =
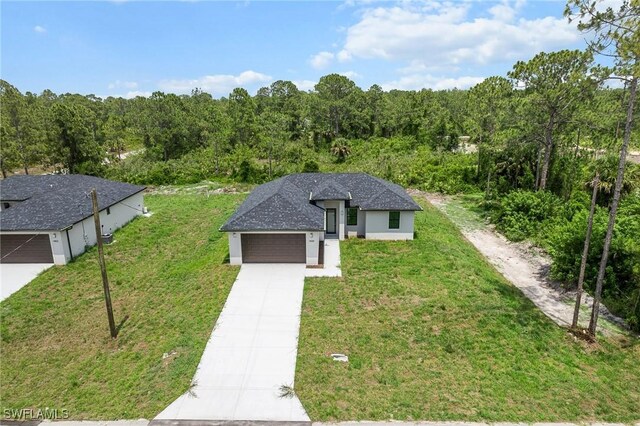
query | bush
[445, 172]
[621, 289]
[310, 166]
[523, 214]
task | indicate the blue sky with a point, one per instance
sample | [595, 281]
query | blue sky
[134, 48]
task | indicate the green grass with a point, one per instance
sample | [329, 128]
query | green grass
[168, 285]
[463, 210]
[433, 332]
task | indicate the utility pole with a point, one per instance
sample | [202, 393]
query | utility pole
[103, 266]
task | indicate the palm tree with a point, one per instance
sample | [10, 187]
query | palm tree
[340, 148]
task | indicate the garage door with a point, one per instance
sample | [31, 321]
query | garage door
[274, 248]
[25, 248]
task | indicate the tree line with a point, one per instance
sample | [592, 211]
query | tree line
[555, 124]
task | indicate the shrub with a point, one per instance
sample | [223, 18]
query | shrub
[522, 214]
[621, 289]
[310, 166]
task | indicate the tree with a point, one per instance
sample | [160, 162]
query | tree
[164, 126]
[556, 82]
[585, 251]
[488, 107]
[335, 92]
[340, 148]
[22, 128]
[617, 34]
[71, 139]
[274, 134]
[242, 111]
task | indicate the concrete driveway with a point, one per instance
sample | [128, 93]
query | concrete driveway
[251, 353]
[14, 276]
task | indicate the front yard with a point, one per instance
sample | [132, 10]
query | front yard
[168, 285]
[433, 332]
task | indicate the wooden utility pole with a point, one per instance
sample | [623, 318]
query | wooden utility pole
[103, 266]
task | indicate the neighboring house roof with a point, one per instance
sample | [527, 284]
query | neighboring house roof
[286, 204]
[55, 202]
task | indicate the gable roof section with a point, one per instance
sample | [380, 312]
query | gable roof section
[330, 190]
[285, 204]
[55, 202]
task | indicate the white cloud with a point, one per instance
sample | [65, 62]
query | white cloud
[428, 81]
[350, 74]
[321, 60]
[135, 93]
[123, 84]
[444, 34]
[344, 56]
[219, 84]
[39, 29]
[128, 95]
[305, 85]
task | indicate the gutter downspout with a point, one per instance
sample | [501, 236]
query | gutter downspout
[69, 243]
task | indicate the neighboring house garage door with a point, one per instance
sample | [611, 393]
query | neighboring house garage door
[274, 248]
[25, 248]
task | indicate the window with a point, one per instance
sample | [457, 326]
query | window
[108, 210]
[352, 216]
[394, 220]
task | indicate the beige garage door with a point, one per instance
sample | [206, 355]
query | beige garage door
[274, 248]
[25, 248]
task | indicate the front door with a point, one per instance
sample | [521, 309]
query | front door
[331, 221]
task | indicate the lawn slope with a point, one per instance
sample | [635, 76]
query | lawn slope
[168, 285]
[434, 332]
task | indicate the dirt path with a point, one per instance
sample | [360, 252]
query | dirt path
[525, 266]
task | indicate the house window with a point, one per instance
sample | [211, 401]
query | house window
[394, 220]
[108, 210]
[352, 216]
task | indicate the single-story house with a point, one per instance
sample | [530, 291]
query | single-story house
[285, 220]
[49, 218]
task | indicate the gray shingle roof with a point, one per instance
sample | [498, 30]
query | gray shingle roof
[54, 202]
[330, 190]
[285, 204]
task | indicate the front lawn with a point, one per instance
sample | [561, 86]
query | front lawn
[433, 332]
[168, 285]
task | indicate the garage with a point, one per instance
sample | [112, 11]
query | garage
[273, 248]
[25, 248]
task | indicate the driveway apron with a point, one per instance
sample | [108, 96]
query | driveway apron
[14, 276]
[250, 359]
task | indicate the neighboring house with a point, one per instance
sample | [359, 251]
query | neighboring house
[49, 219]
[285, 220]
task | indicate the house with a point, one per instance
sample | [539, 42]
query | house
[49, 218]
[285, 221]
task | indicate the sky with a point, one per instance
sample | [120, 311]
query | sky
[132, 48]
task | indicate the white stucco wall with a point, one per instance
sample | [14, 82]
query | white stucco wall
[377, 226]
[340, 216]
[235, 248]
[312, 245]
[359, 229]
[83, 233]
